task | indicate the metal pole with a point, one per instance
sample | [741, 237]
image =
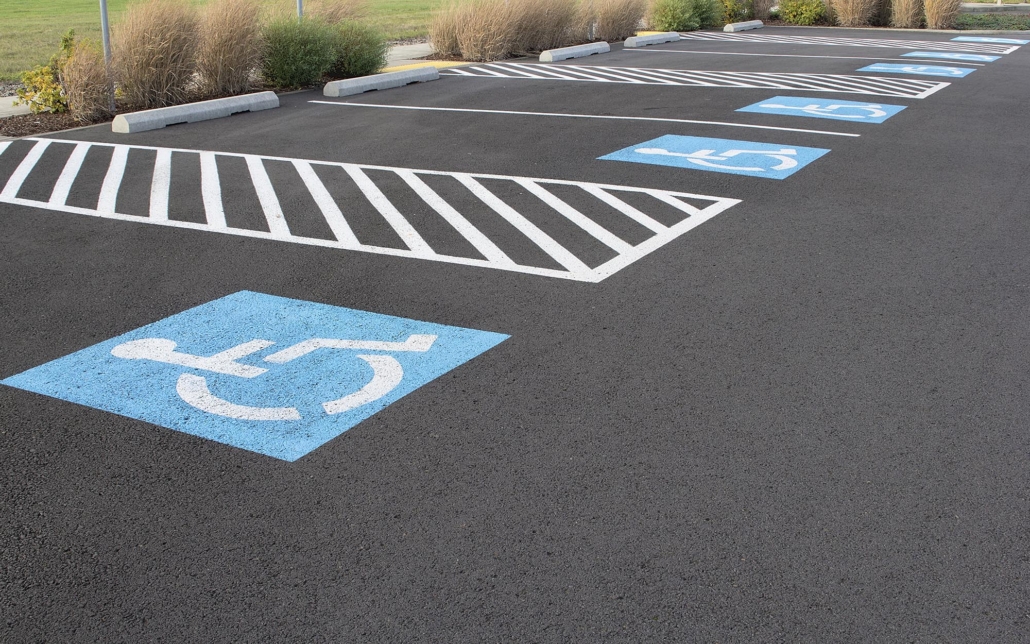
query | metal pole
[106, 28]
[300, 9]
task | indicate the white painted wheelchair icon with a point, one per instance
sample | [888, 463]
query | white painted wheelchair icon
[709, 159]
[193, 389]
[872, 111]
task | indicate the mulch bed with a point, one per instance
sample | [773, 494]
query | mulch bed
[30, 124]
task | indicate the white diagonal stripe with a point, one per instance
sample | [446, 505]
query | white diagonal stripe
[267, 198]
[160, 185]
[211, 190]
[113, 180]
[389, 212]
[71, 170]
[325, 202]
[14, 183]
[596, 231]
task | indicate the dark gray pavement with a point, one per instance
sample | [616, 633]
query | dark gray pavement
[804, 420]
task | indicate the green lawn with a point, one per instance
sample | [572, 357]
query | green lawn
[30, 30]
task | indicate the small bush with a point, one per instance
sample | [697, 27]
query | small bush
[86, 83]
[155, 53]
[802, 12]
[618, 19]
[940, 14]
[853, 13]
[298, 53]
[230, 47]
[41, 87]
[709, 12]
[761, 9]
[360, 51]
[672, 15]
[992, 21]
[907, 14]
[737, 10]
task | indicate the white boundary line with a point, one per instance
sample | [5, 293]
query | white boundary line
[585, 116]
[737, 53]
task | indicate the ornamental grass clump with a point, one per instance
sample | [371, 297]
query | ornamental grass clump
[485, 30]
[86, 83]
[853, 13]
[539, 25]
[443, 30]
[617, 19]
[230, 47]
[156, 53]
[941, 14]
[907, 14]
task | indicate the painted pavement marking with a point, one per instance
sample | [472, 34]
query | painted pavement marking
[583, 116]
[766, 160]
[990, 39]
[951, 55]
[990, 46]
[741, 53]
[822, 108]
[210, 372]
[910, 88]
[481, 195]
[922, 70]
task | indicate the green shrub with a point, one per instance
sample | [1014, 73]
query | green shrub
[991, 21]
[298, 53]
[360, 51]
[802, 12]
[673, 15]
[737, 10]
[42, 90]
[708, 12]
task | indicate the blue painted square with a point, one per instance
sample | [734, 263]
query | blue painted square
[768, 160]
[826, 108]
[922, 70]
[1003, 41]
[952, 55]
[267, 374]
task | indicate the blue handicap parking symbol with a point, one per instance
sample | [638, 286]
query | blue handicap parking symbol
[1003, 41]
[923, 70]
[268, 374]
[826, 108]
[953, 55]
[769, 160]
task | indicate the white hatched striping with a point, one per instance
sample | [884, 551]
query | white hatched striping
[845, 84]
[986, 48]
[469, 193]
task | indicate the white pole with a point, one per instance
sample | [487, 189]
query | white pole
[106, 29]
[300, 9]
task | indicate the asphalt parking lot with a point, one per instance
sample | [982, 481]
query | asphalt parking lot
[622, 362]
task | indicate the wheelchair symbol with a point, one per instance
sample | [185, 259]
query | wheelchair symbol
[193, 389]
[874, 111]
[707, 157]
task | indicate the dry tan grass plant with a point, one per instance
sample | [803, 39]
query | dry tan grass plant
[230, 47]
[543, 24]
[762, 7]
[906, 14]
[618, 19]
[155, 53]
[336, 11]
[940, 14]
[443, 31]
[486, 30]
[86, 84]
[853, 13]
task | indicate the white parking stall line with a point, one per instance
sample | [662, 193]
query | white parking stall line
[582, 116]
[71, 169]
[21, 173]
[987, 48]
[467, 195]
[740, 53]
[161, 185]
[847, 84]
